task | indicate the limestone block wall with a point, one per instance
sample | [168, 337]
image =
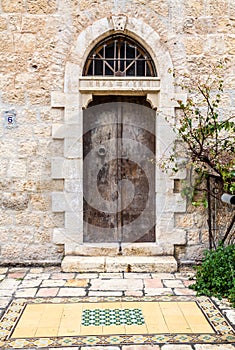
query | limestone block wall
[36, 40]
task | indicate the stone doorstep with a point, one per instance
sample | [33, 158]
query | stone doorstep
[119, 264]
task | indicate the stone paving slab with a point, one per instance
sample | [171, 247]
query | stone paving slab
[117, 284]
[51, 282]
[173, 283]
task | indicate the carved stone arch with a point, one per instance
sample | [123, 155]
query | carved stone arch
[136, 29]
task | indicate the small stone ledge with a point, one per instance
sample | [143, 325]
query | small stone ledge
[141, 249]
[141, 264]
[83, 264]
[92, 249]
[119, 264]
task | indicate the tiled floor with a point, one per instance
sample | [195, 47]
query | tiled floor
[39, 320]
[129, 311]
[129, 320]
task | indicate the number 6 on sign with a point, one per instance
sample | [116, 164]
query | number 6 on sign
[10, 119]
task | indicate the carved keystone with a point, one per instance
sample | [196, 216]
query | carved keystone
[119, 22]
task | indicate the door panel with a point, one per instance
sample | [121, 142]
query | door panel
[118, 173]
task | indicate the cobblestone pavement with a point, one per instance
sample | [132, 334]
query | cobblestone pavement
[51, 282]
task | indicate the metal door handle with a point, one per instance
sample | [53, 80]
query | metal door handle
[101, 151]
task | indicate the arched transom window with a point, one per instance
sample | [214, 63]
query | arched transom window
[119, 56]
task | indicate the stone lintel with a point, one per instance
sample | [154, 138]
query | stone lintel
[119, 84]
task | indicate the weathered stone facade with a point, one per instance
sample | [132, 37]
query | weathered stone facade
[43, 48]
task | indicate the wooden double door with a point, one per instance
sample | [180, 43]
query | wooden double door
[119, 170]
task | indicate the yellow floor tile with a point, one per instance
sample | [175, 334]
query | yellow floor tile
[91, 330]
[91, 306]
[175, 320]
[46, 332]
[119, 329]
[136, 329]
[51, 316]
[29, 321]
[24, 332]
[71, 317]
[132, 305]
[197, 321]
[155, 322]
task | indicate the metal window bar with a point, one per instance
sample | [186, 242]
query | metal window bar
[118, 56]
[103, 60]
[115, 55]
[145, 66]
[93, 65]
[135, 61]
[125, 58]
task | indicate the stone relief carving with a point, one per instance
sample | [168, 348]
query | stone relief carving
[119, 22]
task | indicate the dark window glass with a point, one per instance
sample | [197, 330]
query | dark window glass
[119, 56]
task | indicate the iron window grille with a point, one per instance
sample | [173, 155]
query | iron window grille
[119, 56]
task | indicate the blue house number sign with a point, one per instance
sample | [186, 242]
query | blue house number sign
[10, 119]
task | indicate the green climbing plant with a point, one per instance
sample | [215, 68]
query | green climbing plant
[206, 132]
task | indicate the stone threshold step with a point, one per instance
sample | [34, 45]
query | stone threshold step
[119, 264]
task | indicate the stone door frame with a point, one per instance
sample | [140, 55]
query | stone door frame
[78, 92]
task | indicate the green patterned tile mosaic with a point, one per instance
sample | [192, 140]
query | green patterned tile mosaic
[107, 317]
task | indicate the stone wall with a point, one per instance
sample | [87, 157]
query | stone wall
[36, 41]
